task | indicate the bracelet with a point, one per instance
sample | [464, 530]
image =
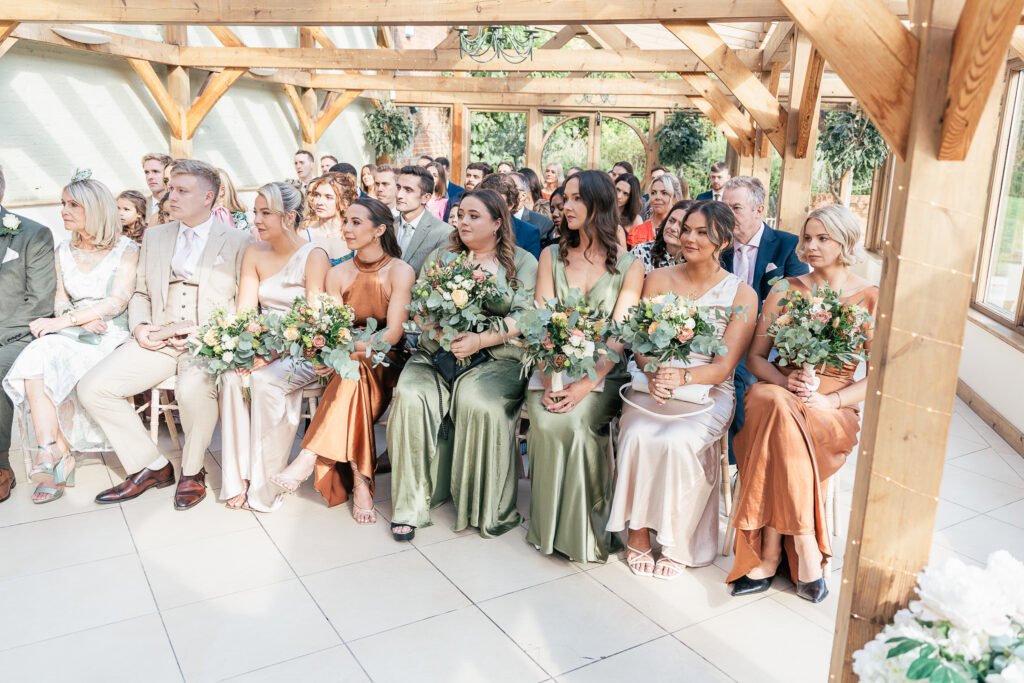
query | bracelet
[839, 400]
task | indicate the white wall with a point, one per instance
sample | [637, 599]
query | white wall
[61, 109]
[994, 369]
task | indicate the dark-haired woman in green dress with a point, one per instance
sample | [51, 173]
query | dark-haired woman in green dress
[468, 454]
[570, 468]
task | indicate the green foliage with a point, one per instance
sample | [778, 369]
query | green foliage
[568, 144]
[849, 142]
[619, 142]
[388, 130]
[682, 138]
[498, 135]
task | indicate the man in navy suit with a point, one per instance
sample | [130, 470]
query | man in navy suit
[758, 255]
[542, 222]
[718, 176]
[527, 236]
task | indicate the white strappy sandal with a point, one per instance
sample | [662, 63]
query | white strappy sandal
[637, 563]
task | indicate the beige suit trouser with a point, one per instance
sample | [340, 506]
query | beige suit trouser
[130, 370]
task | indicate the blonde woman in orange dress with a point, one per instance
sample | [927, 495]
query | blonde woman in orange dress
[796, 436]
[339, 445]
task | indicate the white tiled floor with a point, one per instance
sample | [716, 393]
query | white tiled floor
[141, 592]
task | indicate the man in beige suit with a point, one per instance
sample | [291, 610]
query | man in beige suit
[187, 269]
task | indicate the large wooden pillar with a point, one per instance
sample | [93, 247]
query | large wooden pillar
[797, 169]
[460, 136]
[534, 140]
[180, 89]
[935, 220]
[310, 102]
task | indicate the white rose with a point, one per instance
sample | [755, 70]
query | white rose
[459, 278]
[228, 357]
[588, 349]
[11, 221]
[447, 296]
[229, 343]
[1014, 673]
[690, 323]
[961, 594]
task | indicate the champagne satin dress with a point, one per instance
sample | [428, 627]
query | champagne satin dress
[473, 464]
[257, 435]
[570, 461]
[785, 453]
[341, 432]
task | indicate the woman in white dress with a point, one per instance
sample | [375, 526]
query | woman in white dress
[95, 279]
[668, 467]
[257, 435]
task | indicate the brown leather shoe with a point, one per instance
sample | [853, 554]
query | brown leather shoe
[6, 483]
[191, 490]
[137, 484]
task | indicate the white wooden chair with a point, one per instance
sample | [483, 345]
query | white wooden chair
[160, 402]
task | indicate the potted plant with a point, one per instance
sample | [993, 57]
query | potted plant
[389, 131]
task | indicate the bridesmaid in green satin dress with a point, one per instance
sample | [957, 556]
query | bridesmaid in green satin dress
[469, 455]
[570, 469]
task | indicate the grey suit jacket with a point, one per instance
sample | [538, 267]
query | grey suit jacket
[219, 267]
[542, 222]
[28, 278]
[430, 234]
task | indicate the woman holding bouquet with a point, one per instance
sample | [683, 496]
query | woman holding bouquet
[339, 445]
[797, 434]
[567, 442]
[457, 440]
[668, 467]
[257, 434]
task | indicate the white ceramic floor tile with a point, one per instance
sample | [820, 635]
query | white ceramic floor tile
[63, 541]
[333, 664]
[977, 492]
[443, 519]
[156, 524]
[488, 567]
[129, 651]
[748, 644]
[959, 427]
[947, 514]
[665, 659]
[570, 622]
[314, 537]
[982, 535]
[695, 595]
[957, 446]
[227, 636]
[1011, 514]
[823, 613]
[51, 604]
[472, 650]
[214, 566]
[90, 478]
[989, 464]
[369, 597]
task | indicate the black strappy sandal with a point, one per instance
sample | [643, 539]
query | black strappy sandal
[407, 536]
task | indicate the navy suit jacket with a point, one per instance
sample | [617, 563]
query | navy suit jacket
[542, 222]
[705, 195]
[454, 195]
[777, 249]
[527, 236]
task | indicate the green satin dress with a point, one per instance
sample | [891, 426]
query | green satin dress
[570, 465]
[474, 465]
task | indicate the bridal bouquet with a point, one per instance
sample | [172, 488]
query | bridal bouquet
[966, 625]
[323, 333]
[452, 295]
[817, 331]
[229, 341]
[566, 337]
[667, 328]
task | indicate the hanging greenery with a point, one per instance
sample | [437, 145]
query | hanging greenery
[850, 143]
[389, 131]
[681, 138]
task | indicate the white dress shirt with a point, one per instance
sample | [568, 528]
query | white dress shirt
[202, 232]
[519, 214]
[744, 257]
[407, 229]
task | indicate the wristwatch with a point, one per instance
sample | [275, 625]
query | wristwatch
[687, 377]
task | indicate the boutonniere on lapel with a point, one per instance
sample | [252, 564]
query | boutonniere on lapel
[11, 225]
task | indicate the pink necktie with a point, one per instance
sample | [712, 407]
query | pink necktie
[744, 265]
[180, 260]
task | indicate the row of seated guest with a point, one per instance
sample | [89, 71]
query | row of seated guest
[454, 440]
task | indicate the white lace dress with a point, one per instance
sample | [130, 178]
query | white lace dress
[86, 279]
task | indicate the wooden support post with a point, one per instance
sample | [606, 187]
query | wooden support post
[534, 139]
[460, 135]
[807, 118]
[180, 90]
[311, 106]
[657, 121]
[7, 44]
[6, 29]
[325, 119]
[795, 182]
[214, 89]
[738, 122]
[594, 144]
[937, 213]
[305, 121]
[716, 118]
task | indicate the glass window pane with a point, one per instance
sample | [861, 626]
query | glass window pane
[1004, 274]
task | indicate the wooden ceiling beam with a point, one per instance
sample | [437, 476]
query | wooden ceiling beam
[6, 29]
[306, 125]
[982, 38]
[7, 44]
[773, 51]
[216, 88]
[874, 54]
[748, 89]
[384, 38]
[119, 46]
[522, 102]
[808, 113]
[226, 36]
[718, 120]
[599, 86]
[158, 90]
[736, 120]
[325, 119]
[1017, 42]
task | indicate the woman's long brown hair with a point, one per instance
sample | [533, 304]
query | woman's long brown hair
[598, 194]
[505, 249]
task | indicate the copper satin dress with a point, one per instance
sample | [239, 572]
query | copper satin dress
[341, 432]
[785, 453]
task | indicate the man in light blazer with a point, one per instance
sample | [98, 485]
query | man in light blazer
[419, 232]
[28, 279]
[758, 255]
[187, 270]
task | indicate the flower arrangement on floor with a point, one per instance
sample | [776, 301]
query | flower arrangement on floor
[667, 328]
[819, 330]
[323, 333]
[566, 337]
[967, 625]
[451, 297]
[229, 341]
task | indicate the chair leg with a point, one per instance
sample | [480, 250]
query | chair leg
[166, 406]
[726, 484]
[154, 415]
[730, 532]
